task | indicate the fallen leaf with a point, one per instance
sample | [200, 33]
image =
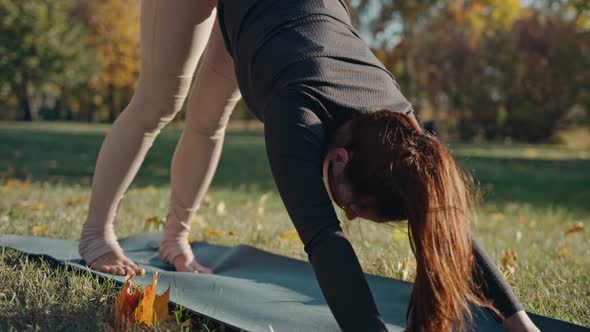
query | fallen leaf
[161, 306]
[578, 227]
[289, 236]
[509, 258]
[37, 206]
[406, 268]
[40, 230]
[563, 251]
[215, 233]
[125, 303]
[190, 239]
[145, 310]
[14, 183]
[154, 223]
[231, 233]
[497, 216]
[76, 201]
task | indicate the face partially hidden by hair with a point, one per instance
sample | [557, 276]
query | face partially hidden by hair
[382, 167]
[358, 165]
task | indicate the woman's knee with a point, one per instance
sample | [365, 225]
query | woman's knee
[157, 99]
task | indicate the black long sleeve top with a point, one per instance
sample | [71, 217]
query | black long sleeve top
[304, 70]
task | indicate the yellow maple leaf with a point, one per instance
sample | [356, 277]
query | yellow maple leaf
[39, 230]
[215, 233]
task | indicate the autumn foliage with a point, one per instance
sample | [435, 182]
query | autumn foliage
[135, 306]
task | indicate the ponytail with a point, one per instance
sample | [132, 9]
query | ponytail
[412, 176]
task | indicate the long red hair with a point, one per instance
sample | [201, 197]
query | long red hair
[412, 176]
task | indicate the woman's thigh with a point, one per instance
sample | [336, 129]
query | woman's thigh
[174, 34]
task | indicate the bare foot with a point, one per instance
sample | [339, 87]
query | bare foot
[115, 264]
[185, 263]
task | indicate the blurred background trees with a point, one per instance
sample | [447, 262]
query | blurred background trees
[474, 69]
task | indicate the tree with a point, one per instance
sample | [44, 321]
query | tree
[545, 70]
[43, 50]
[113, 27]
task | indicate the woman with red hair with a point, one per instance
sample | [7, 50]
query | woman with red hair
[338, 129]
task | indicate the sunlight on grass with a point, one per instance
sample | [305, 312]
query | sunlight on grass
[530, 203]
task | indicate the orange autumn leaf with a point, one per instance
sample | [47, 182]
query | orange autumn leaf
[161, 306]
[231, 233]
[125, 303]
[75, 201]
[13, 183]
[578, 227]
[145, 310]
[509, 261]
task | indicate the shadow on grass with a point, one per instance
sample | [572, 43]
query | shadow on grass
[69, 157]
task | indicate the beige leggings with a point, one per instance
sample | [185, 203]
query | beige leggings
[174, 34]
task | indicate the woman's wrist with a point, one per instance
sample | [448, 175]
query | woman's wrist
[520, 322]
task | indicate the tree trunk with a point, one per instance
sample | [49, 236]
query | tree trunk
[113, 111]
[23, 103]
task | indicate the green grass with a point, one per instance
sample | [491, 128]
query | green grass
[532, 195]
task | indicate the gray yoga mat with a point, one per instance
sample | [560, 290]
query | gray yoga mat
[252, 289]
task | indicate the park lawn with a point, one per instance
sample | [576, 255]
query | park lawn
[532, 195]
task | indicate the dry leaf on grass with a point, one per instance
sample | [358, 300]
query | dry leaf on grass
[509, 258]
[161, 306]
[33, 206]
[14, 183]
[125, 304]
[563, 251]
[76, 201]
[578, 227]
[289, 236]
[215, 233]
[145, 306]
[154, 223]
[497, 216]
[39, 230]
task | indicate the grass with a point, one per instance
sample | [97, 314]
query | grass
[533, 194]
